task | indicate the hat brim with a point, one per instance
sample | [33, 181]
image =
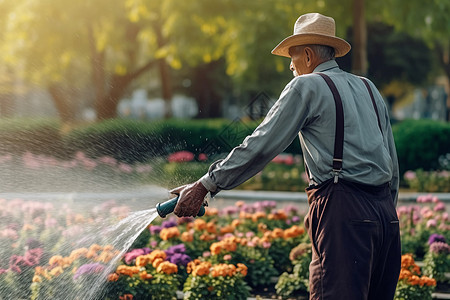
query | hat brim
[340, 46]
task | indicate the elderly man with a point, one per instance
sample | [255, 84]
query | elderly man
[351, 163]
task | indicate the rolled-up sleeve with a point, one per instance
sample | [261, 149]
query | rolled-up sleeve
[279, 128]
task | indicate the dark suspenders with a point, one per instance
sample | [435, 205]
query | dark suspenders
[339, 132]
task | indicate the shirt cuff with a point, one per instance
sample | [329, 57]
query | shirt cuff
[208, 183]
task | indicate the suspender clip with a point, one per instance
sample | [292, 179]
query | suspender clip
[336, 175]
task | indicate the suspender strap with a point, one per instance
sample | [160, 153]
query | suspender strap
[339, 133]
[373, 102]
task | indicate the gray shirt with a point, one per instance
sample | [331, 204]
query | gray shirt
[306, 107]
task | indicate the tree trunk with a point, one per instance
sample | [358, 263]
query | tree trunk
[62, 103]
[205, 91]
[106, 107]
[359, 53]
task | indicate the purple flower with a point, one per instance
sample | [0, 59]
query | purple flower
[167, 224]
[130, 256]
[295, 219]
[179, 259]
[155, 229]
[436, 238]
[440, 248]
[180, 248]
[89, 269]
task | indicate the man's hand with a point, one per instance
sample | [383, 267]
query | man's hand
[190, 199]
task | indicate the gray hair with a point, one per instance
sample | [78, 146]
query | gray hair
[322, 51]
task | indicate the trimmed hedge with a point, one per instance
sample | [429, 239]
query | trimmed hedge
[419, 142]
[34, 135]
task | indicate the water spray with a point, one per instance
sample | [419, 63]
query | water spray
[167, 207]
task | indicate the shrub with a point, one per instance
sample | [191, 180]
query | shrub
[420, 144]
[410, 285]
[33, 135]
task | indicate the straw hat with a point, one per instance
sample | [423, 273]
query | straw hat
[313, 29]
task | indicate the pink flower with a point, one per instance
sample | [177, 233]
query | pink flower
[125, 168]
[202, 157]
[445, 216]
[227, 257]
[206, 254]
[410, 175]
[266, 245]
[431, 223]
[439, 207]
[181, 156]
[251, 244]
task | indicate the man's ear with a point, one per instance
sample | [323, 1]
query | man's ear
[308, 56]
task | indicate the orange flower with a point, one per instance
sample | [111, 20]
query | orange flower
[404, 274]
[168, 233]
[113, 277]
[258, 215]
[156, 262]
[126, 270]
[37, 278]
[187, 237]
[56, 260]
[207, 237]
[223, 270]
[141, 261]
[262, 227]
[167, 267]
[227, 229]
[95, 248]
[201, 269]
[210, 288]
[157, 254]
[294, 231]
[56, 271]
[212, 211]
[427, 281]
[145, 276]
[407, 261]
[215, 248]
[235, 223]
[239, 203]
[199, 224]
[277, 233]
[75, 254]
[242, 269]
[211, 227]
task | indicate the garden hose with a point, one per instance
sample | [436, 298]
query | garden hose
[167, 207]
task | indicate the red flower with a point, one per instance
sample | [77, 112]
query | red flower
[181, 156]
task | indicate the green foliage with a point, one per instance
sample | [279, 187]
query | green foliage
[290, 284]
[34, 135]
[420, 143]
[217, 288]
[436, 265]
[430, 182]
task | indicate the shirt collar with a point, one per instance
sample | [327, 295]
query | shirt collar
[325, 66]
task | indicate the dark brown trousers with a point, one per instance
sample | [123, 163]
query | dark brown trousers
[355, 235]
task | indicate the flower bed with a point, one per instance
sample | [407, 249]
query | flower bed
[238, 251]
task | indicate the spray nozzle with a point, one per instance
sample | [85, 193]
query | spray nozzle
[167, 207]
